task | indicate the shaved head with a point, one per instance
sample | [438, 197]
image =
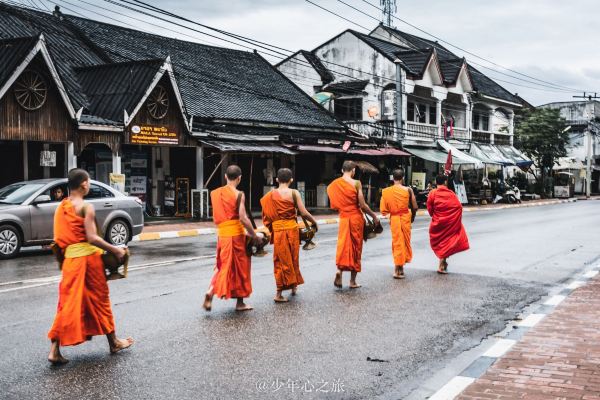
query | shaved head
[348, 166]
[284, 175]
[233, 172]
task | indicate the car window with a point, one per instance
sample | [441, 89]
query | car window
[98, 192]
[18, 192]
[57, 193]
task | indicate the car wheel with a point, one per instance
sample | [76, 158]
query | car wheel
[10, 241]
[118, 232]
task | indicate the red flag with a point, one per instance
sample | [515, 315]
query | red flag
[448, 165]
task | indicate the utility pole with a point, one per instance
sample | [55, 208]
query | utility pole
[399, 131]
[389, 9]
[588, 132]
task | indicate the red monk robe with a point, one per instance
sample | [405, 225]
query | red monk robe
[279, 216]
[447, 234]
[343, 197]
[395, 202]
[83, 302]
[232, 276]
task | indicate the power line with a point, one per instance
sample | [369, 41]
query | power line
[470, 53]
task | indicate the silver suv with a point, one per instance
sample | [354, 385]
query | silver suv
[27, 213]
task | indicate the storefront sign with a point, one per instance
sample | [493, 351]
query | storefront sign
[117, 181]
[47, 158]
[418, 180]
[137, 185]
[145, 134]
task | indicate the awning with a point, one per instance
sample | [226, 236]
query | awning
[520, 159]
[460, 154]
[489, 154]
[386, 151]
[366, 167]
[319, 149]
[434, 155]
[240, 147]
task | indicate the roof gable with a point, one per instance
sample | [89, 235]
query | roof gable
[21, 53]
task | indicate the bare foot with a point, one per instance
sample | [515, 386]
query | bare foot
[57, 359]
[354, 285]
[120, 344]
[338, 280]
[294, 290]
[398, 276]
[243, 307]
[207, 302]
[280, 299]
[442, 271]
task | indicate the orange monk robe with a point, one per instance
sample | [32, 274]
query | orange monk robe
[279, 215]
[395, 202]
[343, 197]
[232, 276]
[83, 302]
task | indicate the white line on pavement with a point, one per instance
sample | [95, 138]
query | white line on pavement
[453, 388]
[575, 284]
[531, 320]
[590, 274]
[499, 348]
[555, 300]
[37, 282]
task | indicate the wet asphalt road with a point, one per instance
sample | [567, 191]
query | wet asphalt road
[380, 341]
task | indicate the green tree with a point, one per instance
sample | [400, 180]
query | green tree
[540, 133]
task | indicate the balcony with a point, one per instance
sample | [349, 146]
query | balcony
[419, 131]
[461, 134]
[383, 129]
[481, 136]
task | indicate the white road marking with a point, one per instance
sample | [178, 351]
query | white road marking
[37, 282]
[555, 300]
[499, 348]
[453, 388]
[575, 284]
[590, 274]
[531, 320]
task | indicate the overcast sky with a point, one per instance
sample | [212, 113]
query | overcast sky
[555, 41]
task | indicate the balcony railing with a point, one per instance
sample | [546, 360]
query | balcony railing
[481, 136]
[420, 131]
[461, 133]
[383, 129]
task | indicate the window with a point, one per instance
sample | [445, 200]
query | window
[411, 111]
[485, 122]
[432, 115]
[422, 113]
[98, 192]
[18, 192]
[348, 109]
[57, 193]
[389, 103]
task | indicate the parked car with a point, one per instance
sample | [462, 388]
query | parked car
[27, 213]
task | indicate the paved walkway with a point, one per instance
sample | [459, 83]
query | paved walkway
[559, 358]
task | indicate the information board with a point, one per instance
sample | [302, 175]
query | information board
[147, 134]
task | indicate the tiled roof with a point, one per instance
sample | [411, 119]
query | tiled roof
[450, 69]
[112, 88]
[386, 48]
[65, 47]
[481, 83]
[215, 82]
[12, 53]
[415, 60]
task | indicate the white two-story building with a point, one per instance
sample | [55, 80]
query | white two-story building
[437, 89]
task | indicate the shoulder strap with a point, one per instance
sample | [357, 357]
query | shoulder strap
[298, 210]
[357, 187]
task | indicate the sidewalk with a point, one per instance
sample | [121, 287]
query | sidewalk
[559, 358]
[196, 228]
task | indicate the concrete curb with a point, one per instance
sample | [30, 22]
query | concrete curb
[514, 332]
[142, 237]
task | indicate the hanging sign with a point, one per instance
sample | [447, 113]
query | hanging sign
[147, 134]
[47, 158]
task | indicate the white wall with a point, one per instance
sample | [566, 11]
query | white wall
[299, 71]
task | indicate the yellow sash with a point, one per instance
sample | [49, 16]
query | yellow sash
[230, 228]
[284, 225]
[82, 249]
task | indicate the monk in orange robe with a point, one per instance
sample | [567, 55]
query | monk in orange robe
[346, 196]
[279, 216]
[447, 234]
[232, 271]
[399, 202]
[83, 304]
